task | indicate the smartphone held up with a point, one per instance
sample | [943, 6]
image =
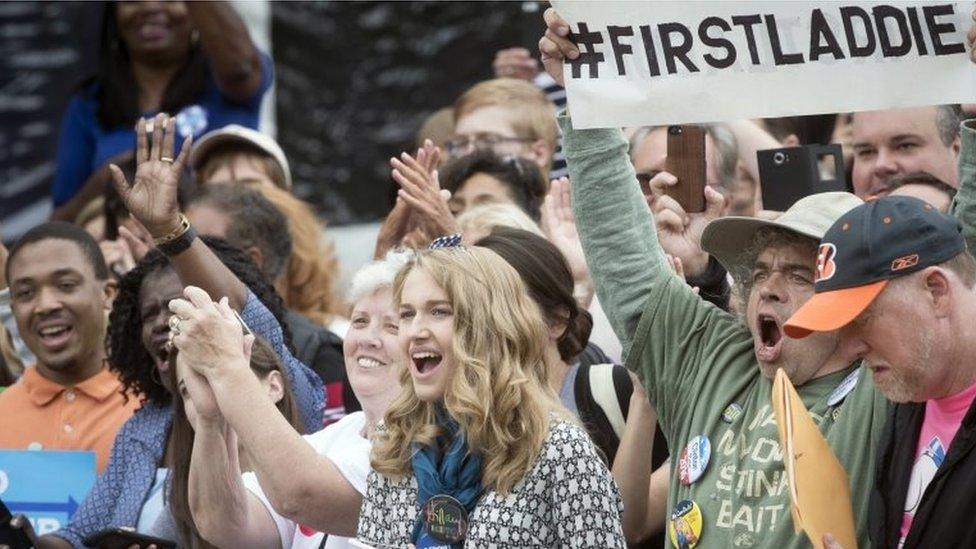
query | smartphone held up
[686, 161]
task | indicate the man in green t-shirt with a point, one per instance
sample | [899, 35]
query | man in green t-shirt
[709, 372]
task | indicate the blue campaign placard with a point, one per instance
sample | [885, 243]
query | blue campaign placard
[46, 486]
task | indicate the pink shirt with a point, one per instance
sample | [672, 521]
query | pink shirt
[942, 420]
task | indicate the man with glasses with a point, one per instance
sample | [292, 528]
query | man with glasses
[508, 117]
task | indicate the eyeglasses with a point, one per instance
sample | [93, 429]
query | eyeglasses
[463, 144]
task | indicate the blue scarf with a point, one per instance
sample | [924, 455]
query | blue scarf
[456, 472]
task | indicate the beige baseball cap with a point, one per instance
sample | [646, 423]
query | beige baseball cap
[727, 238]
[240, 134]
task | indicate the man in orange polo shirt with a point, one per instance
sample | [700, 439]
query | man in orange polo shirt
[60, 290]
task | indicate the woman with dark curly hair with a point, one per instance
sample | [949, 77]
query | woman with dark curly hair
[125, 494]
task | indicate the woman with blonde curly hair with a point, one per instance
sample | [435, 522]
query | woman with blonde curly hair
[476, 449]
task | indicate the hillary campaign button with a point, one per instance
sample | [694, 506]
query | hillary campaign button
[694, 459]
[447, 522]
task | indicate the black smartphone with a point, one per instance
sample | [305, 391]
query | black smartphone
[16, 531]
[119, 538]
[789, 174]
[686, 161]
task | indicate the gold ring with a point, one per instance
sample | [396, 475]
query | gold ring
[166, 159]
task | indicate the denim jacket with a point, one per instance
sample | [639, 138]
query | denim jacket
[120, 491]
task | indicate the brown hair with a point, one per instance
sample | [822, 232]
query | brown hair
[535, 114]
[764, 238]
[223, 154]
[523, 179]
[313, 270]
[263, 361]
[549, 281]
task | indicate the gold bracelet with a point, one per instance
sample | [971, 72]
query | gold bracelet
[178, 232]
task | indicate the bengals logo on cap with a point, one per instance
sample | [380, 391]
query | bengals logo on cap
[825, 262]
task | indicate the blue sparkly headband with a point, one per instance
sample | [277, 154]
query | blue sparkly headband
[449, 241]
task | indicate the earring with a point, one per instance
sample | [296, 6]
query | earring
[155, 376]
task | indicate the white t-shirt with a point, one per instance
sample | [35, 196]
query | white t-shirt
[343, 443]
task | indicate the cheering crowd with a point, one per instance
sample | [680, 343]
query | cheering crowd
[547, 350]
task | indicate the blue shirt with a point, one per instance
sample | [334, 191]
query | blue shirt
[121, 490]
[84, 145]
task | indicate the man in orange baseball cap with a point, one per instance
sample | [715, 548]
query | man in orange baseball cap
[895, 277]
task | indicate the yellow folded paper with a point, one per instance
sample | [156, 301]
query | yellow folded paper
[819, 492]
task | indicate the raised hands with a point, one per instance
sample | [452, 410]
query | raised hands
[559, 225]
[679, 232]
[152, 197]
[515, 63]
[421, 212]
[118, 256]
[555, 45]
[208, 335]
[421, 190]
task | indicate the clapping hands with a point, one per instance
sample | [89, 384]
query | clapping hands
[209, 336]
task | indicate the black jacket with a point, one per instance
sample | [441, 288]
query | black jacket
[945, 515]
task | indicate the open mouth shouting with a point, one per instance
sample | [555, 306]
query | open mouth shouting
[769, 343]
[161, 348]
[425, 362]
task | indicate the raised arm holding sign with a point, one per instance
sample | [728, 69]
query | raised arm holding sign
[706, 372]
[679, 62]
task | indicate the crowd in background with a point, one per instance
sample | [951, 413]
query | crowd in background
[547, 346]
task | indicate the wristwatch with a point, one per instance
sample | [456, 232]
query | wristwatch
[179, 240]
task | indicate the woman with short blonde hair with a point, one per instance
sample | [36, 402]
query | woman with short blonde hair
[476, 432]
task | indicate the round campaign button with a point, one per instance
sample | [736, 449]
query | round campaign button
[694, 459]
[685, 525]
[732, 412]
[447, 521]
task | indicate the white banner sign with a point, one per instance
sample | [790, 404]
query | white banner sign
[652, 63]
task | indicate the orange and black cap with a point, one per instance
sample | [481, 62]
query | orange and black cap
[869, 245]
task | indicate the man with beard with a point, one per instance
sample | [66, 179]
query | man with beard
[708, 373]
[896, 278]
[60, 290]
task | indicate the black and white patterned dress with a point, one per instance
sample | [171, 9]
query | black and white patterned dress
[568, 499]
